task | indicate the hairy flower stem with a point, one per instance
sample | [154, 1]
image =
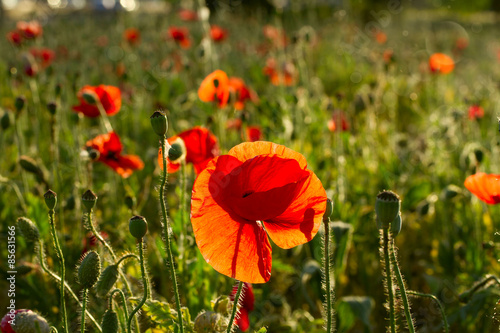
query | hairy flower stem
[63, 269]
[166, 232]
[388, 277]
[466, 295]
[235, 307]
[124, 301]
[145, 285]
[328, 286]
[436, 300]
[402, 288]
[66, 286]
[84, 305]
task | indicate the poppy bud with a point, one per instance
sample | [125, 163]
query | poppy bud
[130, 202]
[28, 229]
[450, 192]
[58, 89]
[52, 107]
[19, 103]
[329, 210]
[89, 199]
[396, 225]
[177, 151]
[479, 153]
[138, 226]
[29, 321]
[109, 322]
[159, 123]
[90, 97]
[107, 280]
[89, 270]
[208, 322]
[387, 208]
[50, 199]
[23, 270]
[222, 305]
[29, 164]
[6, 120]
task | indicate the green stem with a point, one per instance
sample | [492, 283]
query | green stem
[402, 288]
[124, 301]
[166, 233]
[465, 296]
[125, 257]
[235, 307]
[63, 269]
[104, 117]
[328, 287]
[145, 283]
[84, 305]
[388, 277]
[436, 300]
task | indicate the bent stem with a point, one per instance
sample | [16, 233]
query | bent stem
[145, 284]
[436, 300]
[166, 232]
[388, 277]
[402, 287]
[124, 301]
[328, 286]
[466, 295]
[84, 305]
[235, 307]
[63, 270]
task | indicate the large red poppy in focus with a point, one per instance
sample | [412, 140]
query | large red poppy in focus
[109, 96]
[215, 87]
[110, 149]
[201, 146]
[484, 186]
[247, 303]
[257, 189]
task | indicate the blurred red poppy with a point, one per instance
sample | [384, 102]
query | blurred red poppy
[132, 36]
[181, 36]
[338, 122]
[476, 112]
[199, 146]
[380, 37]
[217, 33]
[461, 44]
[388, 56]
[15, 38]
[241, 91]
[110, 153]
[247, 303]
[188, 15]
[109, 96]
[254, 133]
[484, 186]
[275, 35]
[257, 189]
[441, 63]
[215, 87]
[90, 241]
[284, 76]
[29, 30]
[43, 56]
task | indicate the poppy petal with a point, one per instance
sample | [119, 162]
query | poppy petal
[125, 165]
[485, 186]
[243, 320]
[110, 98]
[248, 150]
[301, 221]
[208, 91]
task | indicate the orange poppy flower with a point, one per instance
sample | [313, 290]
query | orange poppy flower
[476, 112]
[380, 37]
[247, 303]
[109, 96]
[200, 147]
[217, 33]
[254, 133]
[285, 76]
[277, 36]
[441, 63]
[110, 149]
[215, 87]
[241, 91]
[132, 36]
[29, 30]
[257, 189]
[181, 36]
[188, 15]
[338, 122]
[484, 186]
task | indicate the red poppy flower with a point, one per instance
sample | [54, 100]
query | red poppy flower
[241, 91]
[476, 112]
[181, 36]
[29, 30]
[277, 36]
[43, 56]
[284, 76]
[15, 38]
[217, 33]
[461, 44]
[5, 326]
[188, 15]
[234, 123]
[90, 241]
[388, 56]
[215, 87]
[247, 303]
[132, 36]
[200, 147]
[484, 186]
[110, 149]
[254, 133]
[109, 96]
[257, 189]
[441, 63]
[380, 37]
[338, 122]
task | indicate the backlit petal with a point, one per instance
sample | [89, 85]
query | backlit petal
[485, 186]
[248, 150]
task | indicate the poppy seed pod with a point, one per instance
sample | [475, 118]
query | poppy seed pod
[130, 202]
[19, 103]
[107, 279]
[109, 322]
[29, 164]
[329, 209]
[50, 199]
[89, 199]
[52, 107]
[176, 151]
[387, 208]
[138, 226]
[28, 229]
[89, 270]
[159, 123]
[90, 97]
[6, 120]
[396, 225]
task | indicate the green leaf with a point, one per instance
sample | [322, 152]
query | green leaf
[352, 308]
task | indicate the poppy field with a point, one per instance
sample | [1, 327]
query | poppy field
[280, 169]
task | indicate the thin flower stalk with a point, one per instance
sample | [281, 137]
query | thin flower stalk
[84, 306]
[145, 285]
[124, 301]
[328, 284]
[436, 300]
[236, 304]
[388, 277]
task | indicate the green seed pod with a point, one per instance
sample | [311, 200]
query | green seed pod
[109, 322]
[450, 192]
[29, 164]
[58, 90]
[19, 103]
[138, 226]
[89, 199]
[222, 305]
[387, 208]
[159, 123]
[329, 210]
[130, 202]
[31, 322]
[52, 107]
[177, 151]
[208, 322]
[50, 199]
[89, 270]
[396, 225]
[90, 97]
[6, 120]
[94, 154]
[28, 229]
[107, 279]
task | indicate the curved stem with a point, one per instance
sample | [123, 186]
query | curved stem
[166, 233]
[440, 306]
[125, 257]
[388, 277]
[402, 288]
[84, 305]
[235, 307]
[465, 296]
[124, 301]
[144, 282]
[63, 269]
[328, 287]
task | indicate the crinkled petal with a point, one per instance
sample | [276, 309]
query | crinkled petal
[248, 150]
